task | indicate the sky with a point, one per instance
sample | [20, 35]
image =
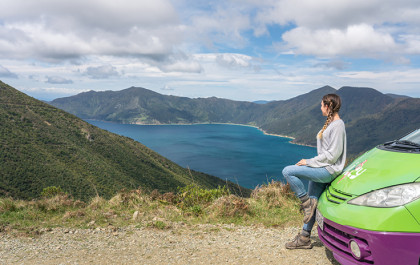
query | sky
[236, 49]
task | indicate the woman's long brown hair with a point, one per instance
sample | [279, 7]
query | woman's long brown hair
[333, 101]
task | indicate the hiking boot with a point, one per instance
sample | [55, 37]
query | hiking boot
[309, 209]
[299, 242]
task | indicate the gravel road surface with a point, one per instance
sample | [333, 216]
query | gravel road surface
[178, 244]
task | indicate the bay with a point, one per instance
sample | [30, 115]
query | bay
[241, 154]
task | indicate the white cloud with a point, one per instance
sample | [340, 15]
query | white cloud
[101, 72]
[356, 40]
[223, 24]
[333, 64]
[100, 14]
[344, 28]
[182, 66]
[233, 60]
[179, 62]
[58, 30]
[58, 80]
[4, 72]
[167, 88]
[404, 82]
[324, 14]
[320, 14]
[62, 90]
[232, 49]
[50, 93]
[86, 17]
[151, 30]
[395, 76]
[412, 43]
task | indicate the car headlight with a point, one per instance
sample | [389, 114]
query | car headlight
[389, 197]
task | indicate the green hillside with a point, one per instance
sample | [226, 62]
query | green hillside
[142, 106]
[370, 116]
[391, 123]
[43, 146]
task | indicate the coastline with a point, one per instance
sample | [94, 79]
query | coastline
[262, 130]
[236, 124]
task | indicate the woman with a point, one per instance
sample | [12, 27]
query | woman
[320, 170]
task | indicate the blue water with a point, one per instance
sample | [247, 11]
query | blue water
[242, 154]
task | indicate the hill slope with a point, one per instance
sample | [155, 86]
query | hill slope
[394, 121]
[365, 111]
[43, 146]
[371, 117]
[142, 106]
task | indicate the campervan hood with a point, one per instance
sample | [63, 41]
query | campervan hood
[378, 169]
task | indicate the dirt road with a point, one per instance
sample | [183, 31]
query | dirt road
[179, 244]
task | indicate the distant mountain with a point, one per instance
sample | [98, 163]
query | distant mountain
[299, 117]
[142, 106]
[261, 101]
[391, 123]
[365, 111]
[396, 96]
[370, 117]
[44, 146]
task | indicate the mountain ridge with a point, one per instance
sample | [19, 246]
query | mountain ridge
[298, 117]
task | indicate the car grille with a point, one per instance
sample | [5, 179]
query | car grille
[339, 240]
[336, 196]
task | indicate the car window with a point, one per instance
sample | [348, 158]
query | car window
[413, 137]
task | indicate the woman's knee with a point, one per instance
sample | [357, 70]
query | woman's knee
[287, 172]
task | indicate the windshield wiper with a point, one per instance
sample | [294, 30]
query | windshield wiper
[389, 142]
[402, 145]
[406, 142]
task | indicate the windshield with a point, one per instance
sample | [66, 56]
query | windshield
[413, 137]
[408, 144]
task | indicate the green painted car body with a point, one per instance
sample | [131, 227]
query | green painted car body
[379, 169]
[370, 214]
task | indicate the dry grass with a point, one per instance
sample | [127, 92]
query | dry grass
[275, 194]
[270, 205]
[230, 206]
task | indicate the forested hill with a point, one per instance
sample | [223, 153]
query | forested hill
[42, 146]
[143, 106]
[370, 116]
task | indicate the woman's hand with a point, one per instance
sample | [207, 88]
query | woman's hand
[302, 162]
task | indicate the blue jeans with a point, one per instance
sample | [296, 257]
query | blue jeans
[318, 179]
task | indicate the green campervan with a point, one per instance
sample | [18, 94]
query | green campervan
[370, 214]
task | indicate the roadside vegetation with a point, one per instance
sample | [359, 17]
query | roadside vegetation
[269, 205]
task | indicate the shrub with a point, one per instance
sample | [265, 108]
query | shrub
[7, 205]
[169, 197]
[196, 209]
[97, 203]
[230, 206]
[51, 191]
[74, 214]
[127, 198]
[275, 194]
[155, 195]
[192, 195]
[159, 225]
[56, 203]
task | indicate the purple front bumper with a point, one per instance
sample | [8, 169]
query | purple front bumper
[376, 247]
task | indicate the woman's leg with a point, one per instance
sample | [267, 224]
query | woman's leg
[318, 179]
[294, 175]
[315, 190]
